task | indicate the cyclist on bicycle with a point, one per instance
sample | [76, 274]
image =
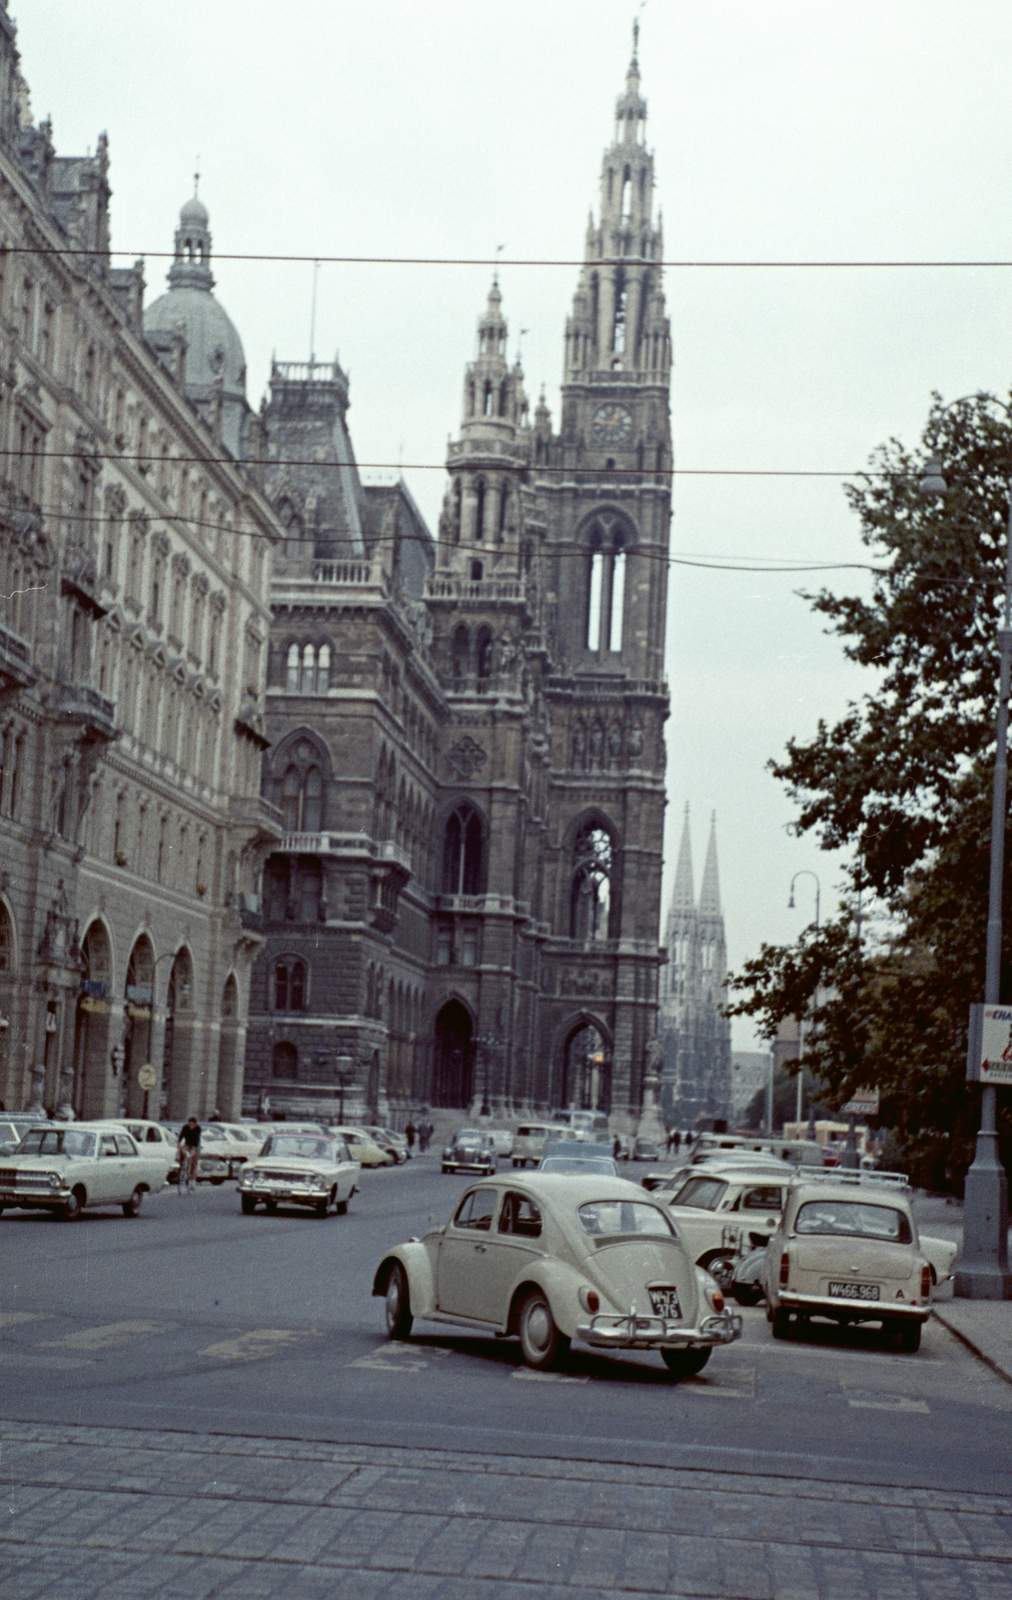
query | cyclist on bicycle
[189, 1150]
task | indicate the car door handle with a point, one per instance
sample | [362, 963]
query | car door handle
[481, 1247]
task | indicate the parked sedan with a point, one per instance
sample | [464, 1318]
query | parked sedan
[395, 1143]
[470, 1150]
[551, 1259]
[847, 1249]
[364, 1149]
[300, 1169]
[64, 1169]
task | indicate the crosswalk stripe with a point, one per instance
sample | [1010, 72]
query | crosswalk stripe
[396, 1357]
[105, 1337]
[528, 1375]
[13, 1319]
[255, 1346]
[892, 1402]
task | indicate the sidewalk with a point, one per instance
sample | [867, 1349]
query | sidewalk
[985, 1326]
[120, 1514]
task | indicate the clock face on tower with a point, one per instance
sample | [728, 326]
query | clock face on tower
[612, 425]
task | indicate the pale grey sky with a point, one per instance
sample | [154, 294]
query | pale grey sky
[782, 130]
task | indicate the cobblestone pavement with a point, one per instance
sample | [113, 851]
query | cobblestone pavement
[130, 1515]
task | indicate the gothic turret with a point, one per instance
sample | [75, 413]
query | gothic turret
[695, 1033]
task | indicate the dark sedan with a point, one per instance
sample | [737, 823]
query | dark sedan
[470, 1150]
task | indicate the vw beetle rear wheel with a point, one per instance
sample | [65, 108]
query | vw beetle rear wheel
[398, 1304]
[685, 1363]
[541, 1343]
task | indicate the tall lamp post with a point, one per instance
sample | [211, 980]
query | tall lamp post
[805, 872]
[983, 1272]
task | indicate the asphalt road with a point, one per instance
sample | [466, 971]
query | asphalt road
[194, 1317]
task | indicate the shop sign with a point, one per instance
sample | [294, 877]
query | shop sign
[989, 1052]
[95, 988]
[141, 994]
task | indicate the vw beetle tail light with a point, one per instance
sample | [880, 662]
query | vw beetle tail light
[590, 1300]
[785, 1269]
[717, 1300]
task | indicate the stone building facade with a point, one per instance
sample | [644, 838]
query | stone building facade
[467, 734]
[134, 571]
[697, 1079]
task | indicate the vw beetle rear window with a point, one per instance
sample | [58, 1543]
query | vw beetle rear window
[854, 1219]
[623, 1216]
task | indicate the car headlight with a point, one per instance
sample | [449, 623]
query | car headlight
[55, 1180]
[319, 1181]
[447, 1155]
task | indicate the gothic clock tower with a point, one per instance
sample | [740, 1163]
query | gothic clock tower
[604, 479]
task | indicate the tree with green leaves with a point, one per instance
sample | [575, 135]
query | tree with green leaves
[903, 783]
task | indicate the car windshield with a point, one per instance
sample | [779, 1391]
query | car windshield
[528, 1132]
[469, 1136]
[302, 1145]
[616, 1217]
[57, 1142]
[706, 1193]
[599, 1166]
[854, 1219]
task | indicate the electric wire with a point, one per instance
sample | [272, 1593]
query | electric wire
[496, 262]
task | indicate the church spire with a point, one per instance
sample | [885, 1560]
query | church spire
[683, 895]
[709, 894]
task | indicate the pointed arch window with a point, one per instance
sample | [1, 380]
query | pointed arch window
[290, 986]
[626, 195]
[308, 668]
[292, 669]
[302, 798]
[479, 509]
[606, 586]
[323, 670]
[461, 650]
[463, 852]
[591, 900]
[504, 504]
[483, 648]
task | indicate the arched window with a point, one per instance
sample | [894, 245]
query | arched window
[617, 600]
[606, 585]
[591, 894]
[489, 398]
[626, 195]
[504, 501]
[479, 509]
[477, 571]
[292, 670]
[308, 668]
[504, 397]
[312, 805]
[290, 986]
[595, 592]
[291, 794]
[461, 650]
[483, 647]
[458, 490]
[619, 342]
[463, 852]
[285, 1062]
[323, 670]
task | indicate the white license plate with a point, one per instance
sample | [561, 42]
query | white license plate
[665, 1302]
[853, 1291]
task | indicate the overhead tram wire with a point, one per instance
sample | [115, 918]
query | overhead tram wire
[569, 263]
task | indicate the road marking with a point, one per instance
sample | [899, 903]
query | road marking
[399, 1357]
[528, 1375]
[729, 1383]
[104, 1338]
[23, 1358]
[255, 1346]
[889, 1402]
[13, 1319]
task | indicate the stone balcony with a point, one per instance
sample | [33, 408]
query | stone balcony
[347, 845]
[474, 591]
[485, 905]
[95, 713]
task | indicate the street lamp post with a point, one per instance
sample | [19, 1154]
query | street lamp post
[805, 872]
[983, 1272]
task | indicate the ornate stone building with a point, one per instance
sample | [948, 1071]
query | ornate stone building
[696, 1085]
[134, 570]
[467, 734]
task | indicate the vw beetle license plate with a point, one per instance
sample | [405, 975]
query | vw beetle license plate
[665, 1302]
[853, 1291]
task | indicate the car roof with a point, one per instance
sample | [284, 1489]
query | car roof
[562, 1187]
[867, 1193]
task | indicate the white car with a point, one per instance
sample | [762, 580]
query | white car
[847, 1248]
[68, 1167]
[554, 1258]
[300, 1169]
[156, 1141]
[503, 1141]
[234, 1143]
[364, 1148]
[722, 1213]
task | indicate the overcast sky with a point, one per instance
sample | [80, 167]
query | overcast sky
[782, 130]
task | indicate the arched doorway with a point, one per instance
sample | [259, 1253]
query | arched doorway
[95, 1090]
[453, 1068]
[140, 996]
[179, 1091]
[228, 1092]
[586, 1070]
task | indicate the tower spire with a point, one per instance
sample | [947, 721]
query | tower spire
[683, 895]
[709, 894]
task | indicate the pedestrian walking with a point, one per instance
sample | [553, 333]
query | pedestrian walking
[678, 1140]
[425, 1131]
[409, 1134]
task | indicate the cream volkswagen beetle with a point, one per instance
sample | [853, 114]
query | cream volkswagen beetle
[553, 1258]
[300, 1169]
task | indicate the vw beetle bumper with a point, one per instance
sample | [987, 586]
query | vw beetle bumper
[634, 1332]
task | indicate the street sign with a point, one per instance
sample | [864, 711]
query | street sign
[147, 1077]
[863, 1103]
[989, 1050]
